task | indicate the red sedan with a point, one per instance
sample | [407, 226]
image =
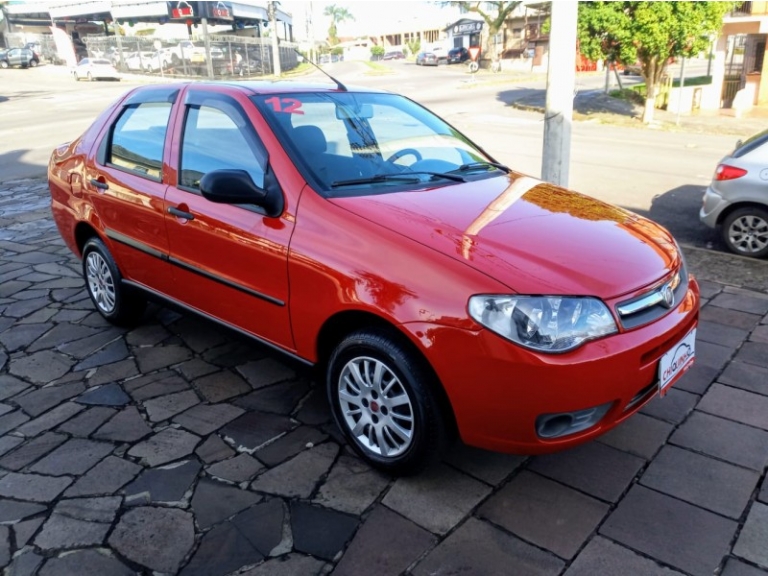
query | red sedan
[439, 291]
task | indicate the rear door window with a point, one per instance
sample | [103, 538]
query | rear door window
[138, 139]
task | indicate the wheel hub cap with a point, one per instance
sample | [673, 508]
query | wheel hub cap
[100, 282]
[375, 407]
[749, 234]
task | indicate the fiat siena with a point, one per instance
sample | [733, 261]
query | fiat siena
[438, 291]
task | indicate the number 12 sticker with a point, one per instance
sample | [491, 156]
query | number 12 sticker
[286, 105]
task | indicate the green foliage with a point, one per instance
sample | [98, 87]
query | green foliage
[337, 14]
[414, 46]
[377, 50]
[337, 51]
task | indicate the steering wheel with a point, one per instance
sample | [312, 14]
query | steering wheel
[404, 152]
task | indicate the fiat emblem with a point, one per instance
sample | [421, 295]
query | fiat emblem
[668, 296]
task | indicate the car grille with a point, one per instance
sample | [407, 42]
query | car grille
[654, 303]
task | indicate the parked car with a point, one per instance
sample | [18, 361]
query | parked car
[95, 69]
[395, 55]
[138, 62]
[426, 59]
[458, 55]
[736, 200]
[436, 290]
[18, 57]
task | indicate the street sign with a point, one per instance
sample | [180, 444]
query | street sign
[474, 51]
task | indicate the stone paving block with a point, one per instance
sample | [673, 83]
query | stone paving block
[748, 377]
[159, 384]
[476, 547]
[5, 408]
[321, 532]
[5, 546]
[114, 372]
[593, 468]
[107, 477]
[713, 355]
[60, 334]
[641, 435]
[314, 409]
[84, 347]
[733, 318]
[699, 480]
[351, 486]
[22, 336]
[754, 353]
[85, 562]
[545, 513]
[221, 386]
[735, 404]
[40, 367]
[158, 538]
[288, 446]
[165, 407]
[697, 379]
[38, 401]
[50, 419]
[12, 420]
[33, 487]
[290, 565]
[147, 335]
[265, 372]
[222, 550]
[198, 333]
[490, 467]
[10, 386]
[154, 358]
[602, 556]
[215, 501]
[384, 530]
[166, 484]
[23, 531]
[724, 439]
[12, 512]
[278, 399]
[238, 469]
[721, 334]
[74, 457]
[759, 334]
[26, 564]
[437, 499]
[31, 451]
[91, 509]
[673, 407]
[299, 476]
[206, 418]
[126, 426]
[674, 532]
[262, 525]
[165, 446]
[107, 395]
[109, 354]
[195, 368]
[213, 450]
[743, 302]
[8, 443]
[254, 429]
[62, 532]
[763, 496]
[22, 308]
[734, 567]
[752, 544]
[86, 422]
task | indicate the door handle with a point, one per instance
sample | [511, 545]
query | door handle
[99, 184]
[180, 213]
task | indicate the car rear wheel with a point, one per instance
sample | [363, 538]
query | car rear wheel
[33, 63]
[114, 302]
[77, 78]
[383, 400]
[3, 64]
[745, 231]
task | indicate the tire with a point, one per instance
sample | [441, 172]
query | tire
[90, 77]
[366, 371]
[745, 231]
[77, 78]
[3, 64]
[33, 64]
[117, 304]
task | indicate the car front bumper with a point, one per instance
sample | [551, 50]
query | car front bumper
[500, 391]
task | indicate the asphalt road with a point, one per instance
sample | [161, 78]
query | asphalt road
[659, 174]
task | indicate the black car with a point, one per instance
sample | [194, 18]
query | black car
[22, 57]
[458, 55]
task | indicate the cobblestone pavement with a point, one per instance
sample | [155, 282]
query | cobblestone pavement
[179, 448]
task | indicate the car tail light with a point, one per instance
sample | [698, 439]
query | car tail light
[725, 172]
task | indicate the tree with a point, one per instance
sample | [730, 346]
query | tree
[648, 34]
[493, 13]
[338, 15]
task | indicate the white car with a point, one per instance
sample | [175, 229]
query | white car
[96, 69]
[138, 62]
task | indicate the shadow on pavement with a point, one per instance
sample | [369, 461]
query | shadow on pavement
[586, 103]
[14, 158]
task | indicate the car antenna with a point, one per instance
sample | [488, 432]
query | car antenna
[338, 84]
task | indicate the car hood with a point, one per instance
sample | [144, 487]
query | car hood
[530, 235]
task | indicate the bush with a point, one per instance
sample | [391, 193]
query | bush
[377, 50]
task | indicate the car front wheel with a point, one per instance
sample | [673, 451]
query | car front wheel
[115, 303]
[3, 64]
[383, 400]
[33, 63]
[745, 231]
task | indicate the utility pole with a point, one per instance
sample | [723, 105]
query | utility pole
[275, 47]
[561, 82]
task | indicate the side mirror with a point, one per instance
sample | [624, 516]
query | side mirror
[237, 187]
[738, 144]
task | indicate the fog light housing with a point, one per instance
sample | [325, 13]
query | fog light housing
[564, 423]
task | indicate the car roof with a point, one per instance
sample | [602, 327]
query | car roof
[264, 87]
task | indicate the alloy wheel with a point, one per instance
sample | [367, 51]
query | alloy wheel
[749, 234]
[100, 282]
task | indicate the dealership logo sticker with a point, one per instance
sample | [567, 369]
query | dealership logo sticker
[676, 361]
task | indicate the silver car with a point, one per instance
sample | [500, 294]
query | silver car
[737, 199]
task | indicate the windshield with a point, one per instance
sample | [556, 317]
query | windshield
[349, 143]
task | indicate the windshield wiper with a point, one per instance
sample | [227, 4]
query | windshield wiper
[479, 165]
[402, 177]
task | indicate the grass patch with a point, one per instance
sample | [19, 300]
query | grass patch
[629, 94]
[377, 68]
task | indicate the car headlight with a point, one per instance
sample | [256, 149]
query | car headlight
[544, 323]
